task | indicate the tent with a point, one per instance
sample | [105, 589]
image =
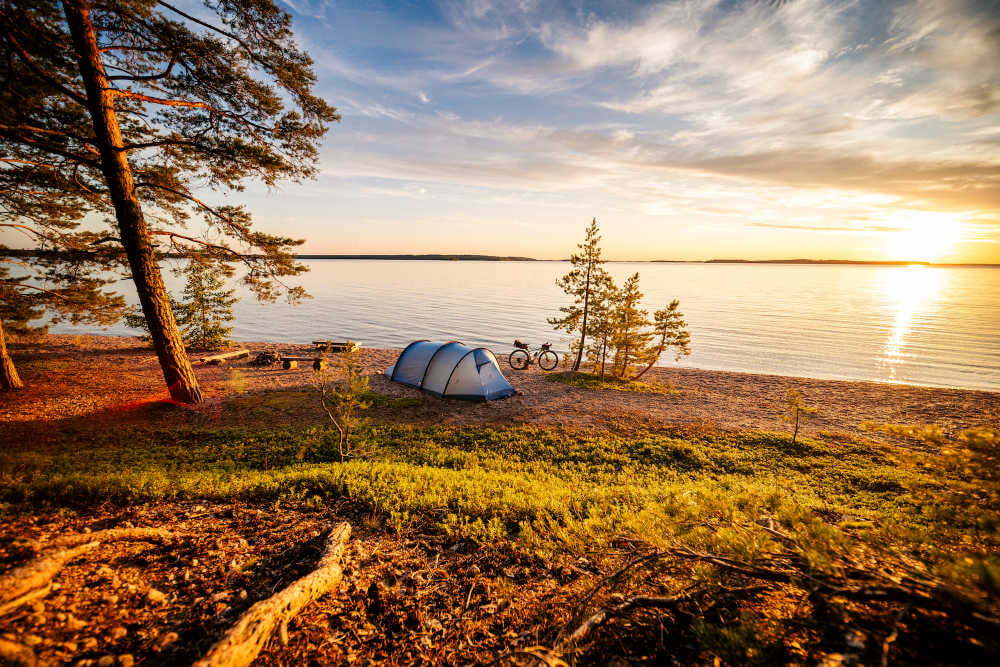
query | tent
[451, 370]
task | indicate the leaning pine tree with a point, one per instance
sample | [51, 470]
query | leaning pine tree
[670, 332]
[581, 283]
[117, 108]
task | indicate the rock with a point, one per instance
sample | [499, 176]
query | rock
[85, 662]
[73, 623]
[106, 661]
[110, 599]
[155, 596]
[88, 643]
[434, 625]
[126, 660]
[32, 640]
[167, 639]
[243, 594]
[118, 632]
[38, 606]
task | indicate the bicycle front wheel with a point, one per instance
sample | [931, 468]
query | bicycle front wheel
[518, 360]
[547, 360]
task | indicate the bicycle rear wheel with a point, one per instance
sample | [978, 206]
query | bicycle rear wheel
[548, 360]
[518, 360]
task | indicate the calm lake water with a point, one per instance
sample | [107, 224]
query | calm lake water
[919, 325]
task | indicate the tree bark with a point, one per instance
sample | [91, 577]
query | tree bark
[583, 325]
[9, 379]
[659, 353]
[177, 369]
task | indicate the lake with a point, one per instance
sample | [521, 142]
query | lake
[913, 324]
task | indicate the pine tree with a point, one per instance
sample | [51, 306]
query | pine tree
[669, 331]
[66, 296]
[631, 340]
[602, 325]
[117, 109]
[203, 313]
[581, 283]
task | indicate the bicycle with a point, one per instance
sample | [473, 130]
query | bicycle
[523, 357]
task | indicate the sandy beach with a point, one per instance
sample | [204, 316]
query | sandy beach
[75, 376]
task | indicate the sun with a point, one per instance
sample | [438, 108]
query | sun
[923, 237]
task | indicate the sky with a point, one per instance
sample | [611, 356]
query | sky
[695, 129]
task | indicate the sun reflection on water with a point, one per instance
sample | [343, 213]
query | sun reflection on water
[909, 290]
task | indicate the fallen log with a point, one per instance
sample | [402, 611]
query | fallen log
[337, 345]
[20, 584]
[244, 642]
[216, 359]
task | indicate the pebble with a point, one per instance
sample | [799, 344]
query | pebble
[118, 632]
[155, 596]
[126, 660]
[110, 599]
[106, 661]
[167, 639]
[32, 640]
[85, 662]
[88, 643]
[73, 623]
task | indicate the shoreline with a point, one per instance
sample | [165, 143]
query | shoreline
[70, 376]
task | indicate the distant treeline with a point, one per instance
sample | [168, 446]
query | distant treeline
[454, 258]
[832, 261]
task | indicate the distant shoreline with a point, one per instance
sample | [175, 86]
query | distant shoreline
[496, 258]
[31, 252]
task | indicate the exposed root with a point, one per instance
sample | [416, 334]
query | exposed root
[638, 601]
[244, 642]
[28, 581]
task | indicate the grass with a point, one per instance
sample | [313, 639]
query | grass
[557, 494]
[520, 483]
[594, 381]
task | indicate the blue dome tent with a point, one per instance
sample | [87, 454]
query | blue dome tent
[451, 370]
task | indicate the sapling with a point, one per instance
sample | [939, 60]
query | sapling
[343, 397]
[795, 408]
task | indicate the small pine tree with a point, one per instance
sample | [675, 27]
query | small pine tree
[341, 400]
[670, 331]
[602, 327]
[581, 283]
[631, 340]
[205, 310]
[795, 407]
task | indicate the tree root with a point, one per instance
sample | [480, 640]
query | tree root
[31, 580]
[12, 653]
[244, 642]
[635, 602]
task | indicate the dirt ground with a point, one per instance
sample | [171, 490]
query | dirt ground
[73, 376]
[419, 598]
[402, 601]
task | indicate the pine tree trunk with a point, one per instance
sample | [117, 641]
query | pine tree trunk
[583, 326]
[167, 341]
[9, 378]
[655, 359]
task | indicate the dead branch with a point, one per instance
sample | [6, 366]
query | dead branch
[634, 602]
[244, 642]
[19, 585]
